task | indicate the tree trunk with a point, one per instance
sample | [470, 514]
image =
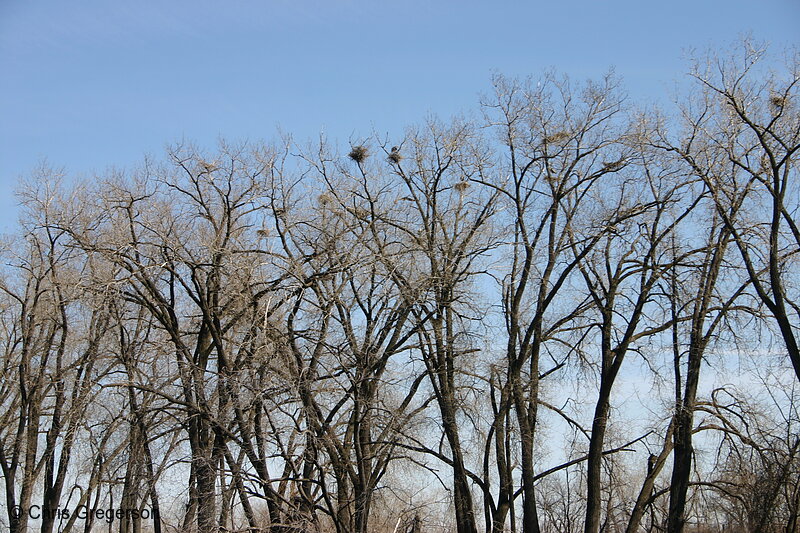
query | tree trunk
[595, 457]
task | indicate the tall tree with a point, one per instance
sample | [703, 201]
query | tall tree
[562, 143]
[446, 226]
[743, 141]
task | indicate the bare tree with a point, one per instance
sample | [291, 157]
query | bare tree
[622, 279]
[743, 140]
[446, 226]
[322, 341]
[55, 334]
[178, 239]
[755, 483]
[740, 136]
[561, 142]
[345, 323]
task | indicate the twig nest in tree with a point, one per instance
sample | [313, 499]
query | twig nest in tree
[358, 154]
[208, 167]
[461, 186]
[394, 155]
[777, 100]
[557, 137]
[613, 165]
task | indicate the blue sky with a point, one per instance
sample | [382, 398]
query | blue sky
[88, 85]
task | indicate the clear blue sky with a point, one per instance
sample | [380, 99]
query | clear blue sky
[91, 84]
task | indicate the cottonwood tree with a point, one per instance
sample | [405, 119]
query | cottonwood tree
[137, 337]
[740, 136]
[308, 337]
[446, 226]
[715, 295]
[621, 276]
[746, 118]
[55, 334]
[562, 142]
[180, 237]
[704, 292]
[346, 322]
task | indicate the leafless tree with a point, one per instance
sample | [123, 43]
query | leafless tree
[740, 136]
[55, 334]
[446, 225]
[743, 138]
[755, 482]
[622, 278]
[562, 142]
[345, 323]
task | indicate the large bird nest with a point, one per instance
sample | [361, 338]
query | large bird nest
[394, 155]
[359, 153]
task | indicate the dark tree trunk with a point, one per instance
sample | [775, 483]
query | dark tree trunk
[595, 458]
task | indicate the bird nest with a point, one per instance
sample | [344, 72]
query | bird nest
[777, 100]
[557, 137]
[610, 166]
[358, 154]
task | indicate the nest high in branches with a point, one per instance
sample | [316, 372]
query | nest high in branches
[358, 153]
